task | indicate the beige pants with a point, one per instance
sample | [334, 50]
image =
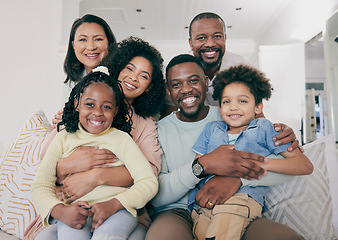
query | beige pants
[226, 221]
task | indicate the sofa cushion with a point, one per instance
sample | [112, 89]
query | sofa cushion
[304, 203]
[18, 165]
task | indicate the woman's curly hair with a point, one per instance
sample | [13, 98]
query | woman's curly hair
[122, 119]
[149, 103]
[254, 79]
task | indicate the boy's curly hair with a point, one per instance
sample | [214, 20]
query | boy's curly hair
[149, 103]
[254, 79]
[122, 119]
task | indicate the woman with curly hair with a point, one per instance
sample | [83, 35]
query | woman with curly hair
[96, 114]
[131, 57]
[138, 66]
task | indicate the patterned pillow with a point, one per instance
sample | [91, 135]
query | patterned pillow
[304, 203]
[18, 165]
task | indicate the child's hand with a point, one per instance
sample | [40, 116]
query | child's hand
[265, 165]
[74, 215]
[101, 211]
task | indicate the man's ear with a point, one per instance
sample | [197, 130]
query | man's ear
[190, 43]
[259, 108]
[168, 91]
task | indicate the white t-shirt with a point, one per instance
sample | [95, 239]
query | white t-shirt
[229, 60]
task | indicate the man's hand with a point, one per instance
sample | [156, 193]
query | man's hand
[286, 136]
[217, 190]
[226, 161]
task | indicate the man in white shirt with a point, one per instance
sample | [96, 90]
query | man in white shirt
[207, 38]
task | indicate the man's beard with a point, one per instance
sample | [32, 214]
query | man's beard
[191, 115]
[207, 65]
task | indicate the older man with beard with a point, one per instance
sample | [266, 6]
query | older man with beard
[207, 38]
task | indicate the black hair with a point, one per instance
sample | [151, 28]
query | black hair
[182, 58]
[253, 78]
[122, 119]
[72, 66]
[149, 103]
[205, 15]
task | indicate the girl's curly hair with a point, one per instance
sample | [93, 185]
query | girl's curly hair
[254, 79]
[149, 103]
[122, 119]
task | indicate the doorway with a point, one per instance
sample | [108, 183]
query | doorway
[316, 109]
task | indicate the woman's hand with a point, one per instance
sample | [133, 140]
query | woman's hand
[83, 159]
[101, 211]
[57, 118]
[59, 193]
[79, 184]
[286, 136]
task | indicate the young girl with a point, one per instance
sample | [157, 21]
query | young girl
[240, 91]
[96, 114]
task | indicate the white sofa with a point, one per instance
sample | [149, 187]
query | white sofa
[308, 204]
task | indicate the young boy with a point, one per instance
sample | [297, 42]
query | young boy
[240, 91]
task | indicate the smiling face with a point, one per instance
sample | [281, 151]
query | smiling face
[187, 87]
[238, 107]
[90, 45]
[207, 41]
[97, 108]
[136, 78]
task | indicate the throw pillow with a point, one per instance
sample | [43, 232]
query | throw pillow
[19, 163]
[332, 167]
[304, 203]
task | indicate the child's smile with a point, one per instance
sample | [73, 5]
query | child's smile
[238, 107]
[97, 108]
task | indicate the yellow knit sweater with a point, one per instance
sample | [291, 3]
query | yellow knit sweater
[121, 144]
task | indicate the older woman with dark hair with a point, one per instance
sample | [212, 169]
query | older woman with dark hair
[85, 52]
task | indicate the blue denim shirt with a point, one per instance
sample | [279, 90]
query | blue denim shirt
[257, 138]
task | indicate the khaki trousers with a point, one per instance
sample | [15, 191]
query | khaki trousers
[226, 221]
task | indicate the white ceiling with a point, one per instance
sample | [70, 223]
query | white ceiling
[168, 19]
